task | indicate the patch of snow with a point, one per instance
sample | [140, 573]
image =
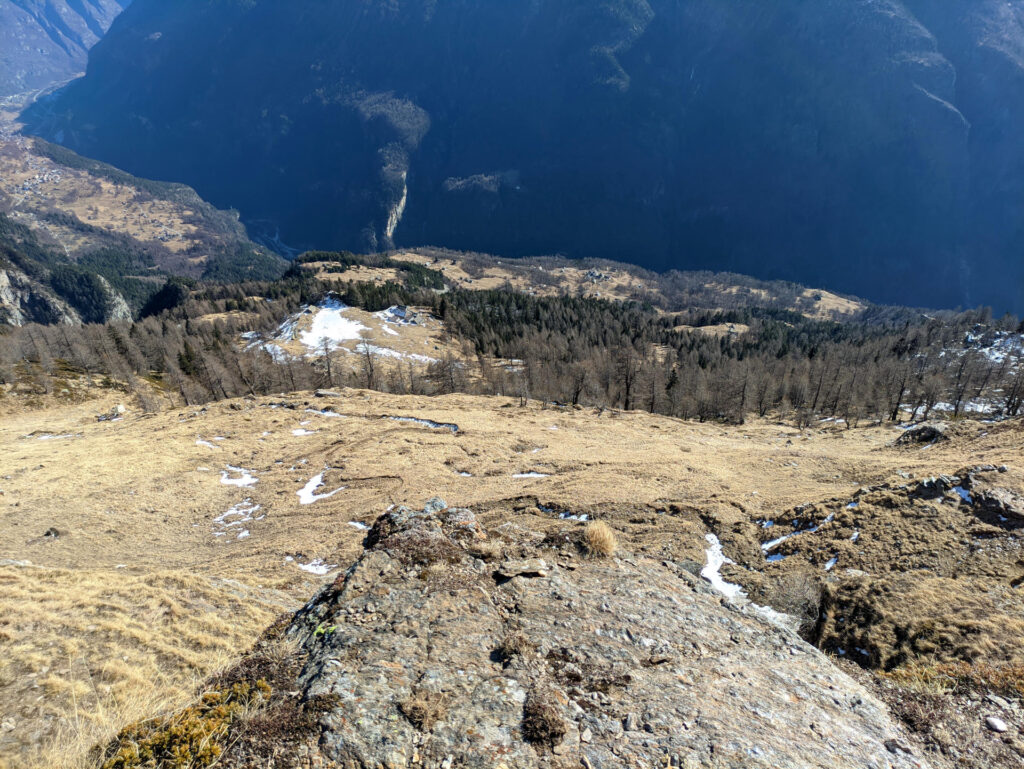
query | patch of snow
[205, 443]
[832, 563]
[243, 534]
[325, 413]
[330, 324]
[530, 475]
[427, 423]
[853, 506]
[299, 432]
[359, 525]
[307, 495]
[775, 558]
[318, 567]
[570, 517]
[243, 512]
[246, 478]
[385, 352]
[855, 537]
[49, 437]
[965, 495]
[772, 544]
[464, 474]
[712, 571]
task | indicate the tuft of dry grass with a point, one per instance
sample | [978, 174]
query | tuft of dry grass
[514, 644]
[489, 550]
[601, 539]
[542, 719]
[424, 709]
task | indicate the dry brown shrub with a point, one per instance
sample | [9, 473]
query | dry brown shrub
[488, 550]
[601, 540]
[514, 644]
[799, 595]
[542, 719]
[424, 709]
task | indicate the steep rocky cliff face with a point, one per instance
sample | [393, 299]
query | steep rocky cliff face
[862, 145]
[46, 41]
[23, 300]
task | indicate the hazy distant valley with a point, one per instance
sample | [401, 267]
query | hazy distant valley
[298, 468]
[46, 42]
[867, 147]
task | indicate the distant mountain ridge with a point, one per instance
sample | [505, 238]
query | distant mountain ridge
[869, 146]
[46, 41]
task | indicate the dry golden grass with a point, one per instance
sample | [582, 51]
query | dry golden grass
[930, 678]
[601, 540]
[86, 652]
[424, 709]
[719, 331]
[84, 637]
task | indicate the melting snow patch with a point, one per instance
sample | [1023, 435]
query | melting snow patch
[711, 572]
[385, 352]
[245, 479]
[205, 443]
[330, 324]
[299, 432]
[243, 534]
[853, 506]
[465, 474]
[325, 413]
[243, 512]
[775, 558]
[530, 475]
[965, 495]
[307, 495]
[359, 525]
[50, 437]
[318, 567]
[427, 423]
[832, 563]
[855, 537]
[571, 517]
[771, 545]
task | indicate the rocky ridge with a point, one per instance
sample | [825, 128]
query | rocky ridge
[23, 300]
[445, 645]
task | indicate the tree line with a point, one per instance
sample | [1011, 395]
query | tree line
[571, 350]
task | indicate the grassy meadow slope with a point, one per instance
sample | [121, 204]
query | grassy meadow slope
[138, 554]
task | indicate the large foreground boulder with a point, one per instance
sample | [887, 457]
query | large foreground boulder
[446, 646]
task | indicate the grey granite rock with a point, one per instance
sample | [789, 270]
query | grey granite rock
[620, 663]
